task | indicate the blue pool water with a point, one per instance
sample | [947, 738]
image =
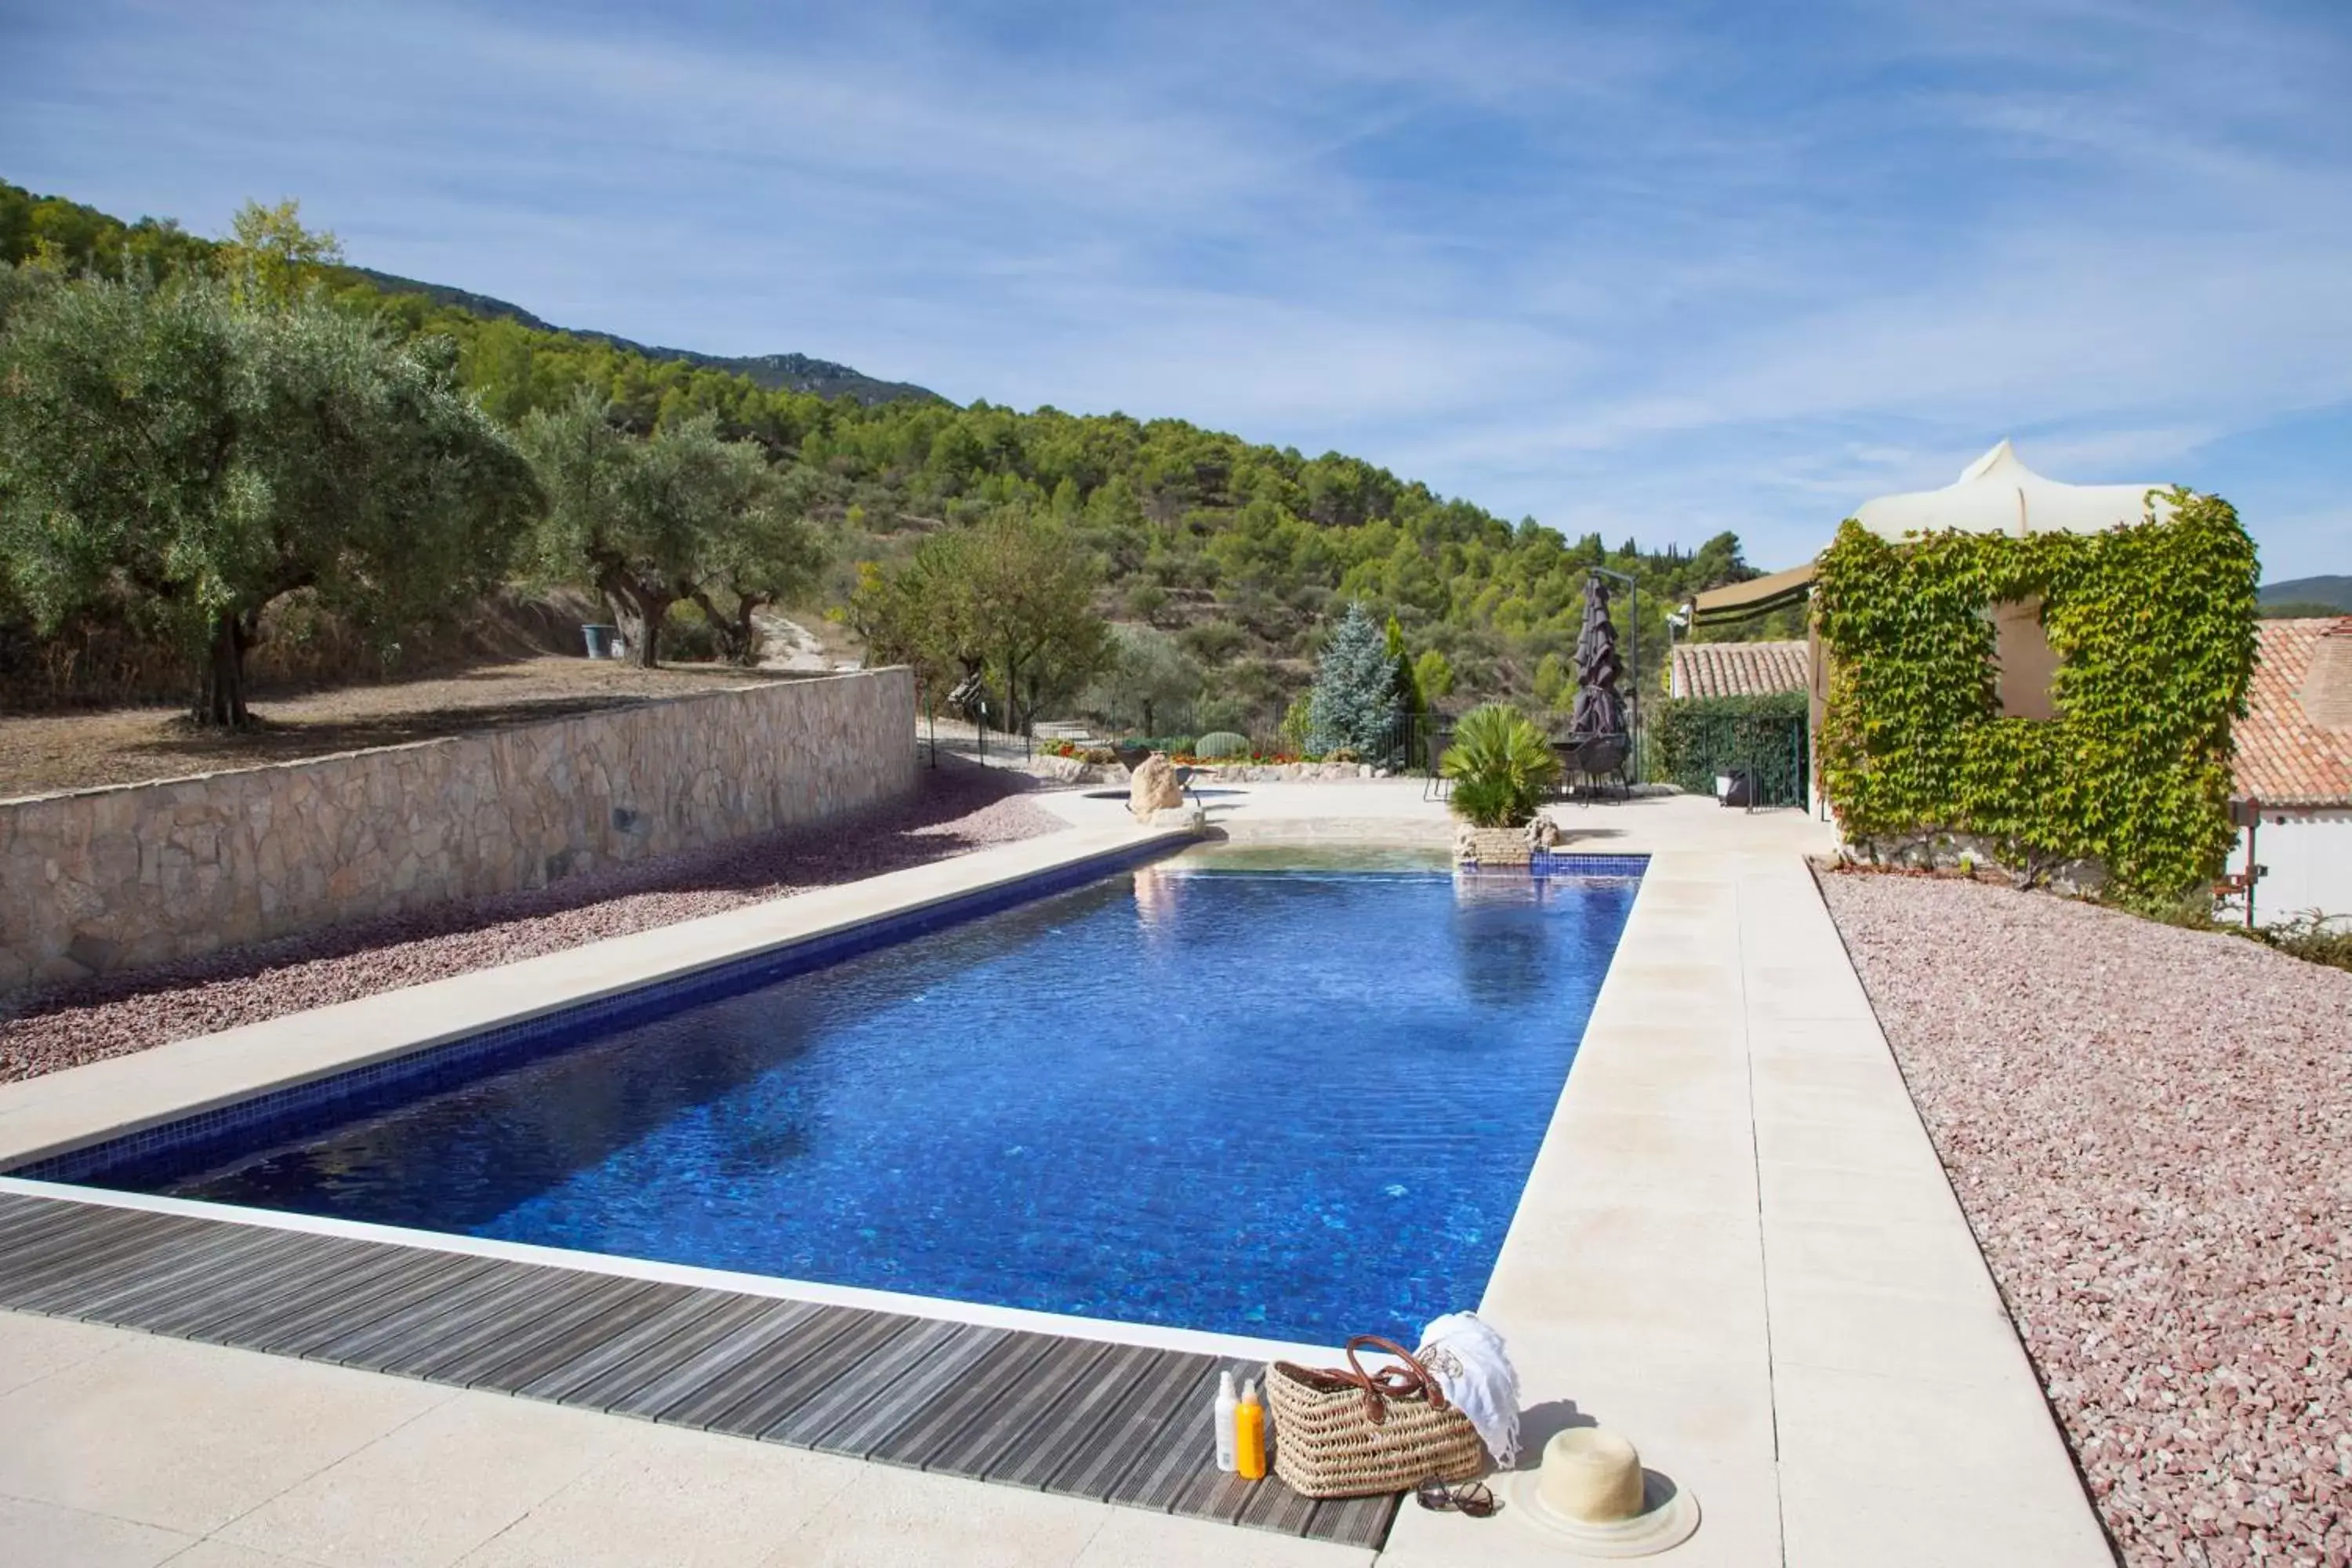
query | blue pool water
[1294, 1104]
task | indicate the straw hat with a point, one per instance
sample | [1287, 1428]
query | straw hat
[1591, 1494]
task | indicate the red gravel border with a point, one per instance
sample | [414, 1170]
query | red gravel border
[958, 808]
[2151, 1130]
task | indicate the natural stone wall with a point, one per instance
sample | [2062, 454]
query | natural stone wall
[1939, 850]
[115, 879]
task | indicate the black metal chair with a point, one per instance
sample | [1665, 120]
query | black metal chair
[1437, 786]
[1586, 760]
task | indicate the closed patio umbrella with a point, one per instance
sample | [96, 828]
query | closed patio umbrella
[1597, 743]
[1600, 712]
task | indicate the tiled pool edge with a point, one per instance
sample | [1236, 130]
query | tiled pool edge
[46, 1122]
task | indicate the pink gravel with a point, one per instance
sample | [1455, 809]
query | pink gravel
[960, 807]
[2151, 1130]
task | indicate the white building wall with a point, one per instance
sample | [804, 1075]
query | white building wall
[2310, 859]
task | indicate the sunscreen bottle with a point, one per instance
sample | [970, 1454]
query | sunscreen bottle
[1225, 1408]
[1249, 1436]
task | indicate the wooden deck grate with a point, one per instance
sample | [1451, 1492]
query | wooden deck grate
[1118, 1423]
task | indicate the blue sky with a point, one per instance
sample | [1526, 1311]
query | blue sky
[1657, 270]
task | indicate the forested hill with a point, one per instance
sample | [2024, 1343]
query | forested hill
[2308, 596]
[789, 373]
[84, 237]
[1241, 553]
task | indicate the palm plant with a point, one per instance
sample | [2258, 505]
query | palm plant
[1500, 764]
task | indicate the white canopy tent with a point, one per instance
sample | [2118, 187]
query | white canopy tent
[1999, 494]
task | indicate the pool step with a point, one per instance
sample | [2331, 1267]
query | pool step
[1117, 1424]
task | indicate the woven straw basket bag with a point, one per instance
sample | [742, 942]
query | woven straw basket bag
[1353, 1433]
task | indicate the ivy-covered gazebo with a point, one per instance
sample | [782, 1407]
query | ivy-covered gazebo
[2037, 672]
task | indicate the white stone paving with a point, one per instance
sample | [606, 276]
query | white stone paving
[1737, 1248]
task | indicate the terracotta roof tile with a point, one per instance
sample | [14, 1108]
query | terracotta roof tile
[2285, 757]
[1739, 668]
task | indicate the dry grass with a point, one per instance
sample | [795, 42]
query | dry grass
[44, 753]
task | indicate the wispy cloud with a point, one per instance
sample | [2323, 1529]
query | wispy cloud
[1656, 270]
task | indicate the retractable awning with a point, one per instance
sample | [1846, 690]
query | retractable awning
[1739, 601]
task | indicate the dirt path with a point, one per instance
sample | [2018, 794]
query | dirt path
[43, 752]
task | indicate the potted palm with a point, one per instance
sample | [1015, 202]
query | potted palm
[1501, 767]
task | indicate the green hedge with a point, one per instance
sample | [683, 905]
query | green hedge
[1692, 739]
[2154, 630]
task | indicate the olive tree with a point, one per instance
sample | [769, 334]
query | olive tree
[184, 457]
[680, 515]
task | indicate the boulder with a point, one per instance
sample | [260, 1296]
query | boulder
[1154, 787]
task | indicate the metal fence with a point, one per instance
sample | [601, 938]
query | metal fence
[1763, 754]
[1411, 743]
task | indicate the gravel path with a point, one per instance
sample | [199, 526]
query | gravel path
[960, 807]
[2151, 1131]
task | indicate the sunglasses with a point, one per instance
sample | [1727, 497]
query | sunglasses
[1471, 1498]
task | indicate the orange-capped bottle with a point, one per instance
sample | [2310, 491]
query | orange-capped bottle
[1249, 1434]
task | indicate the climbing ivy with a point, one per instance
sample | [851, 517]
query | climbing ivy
[2154, 629]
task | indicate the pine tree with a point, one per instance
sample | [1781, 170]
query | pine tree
[1355, 700]
[1408, 683]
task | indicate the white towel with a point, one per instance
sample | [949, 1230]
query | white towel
[1471, 1366]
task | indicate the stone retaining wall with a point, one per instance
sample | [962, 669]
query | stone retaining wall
[117, 879]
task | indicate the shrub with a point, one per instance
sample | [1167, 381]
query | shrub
[2311, 937]
[1221, 743]
[1699, 737]
[688, 636]
[1500, 764]
[1213, 642]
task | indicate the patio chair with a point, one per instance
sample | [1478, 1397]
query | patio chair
[1590, 760]
[1437, 786]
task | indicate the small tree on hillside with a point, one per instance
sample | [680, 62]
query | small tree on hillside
[762, 551]
[1148, 674]
[682, 514]
[1432, 673]
[1408, 682]
[1011, 598]
[1355, 702]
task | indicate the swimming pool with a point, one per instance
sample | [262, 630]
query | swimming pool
[1288, 1101]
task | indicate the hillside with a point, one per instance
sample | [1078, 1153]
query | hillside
[2311, 595]
[1240, 553]
[790, 373]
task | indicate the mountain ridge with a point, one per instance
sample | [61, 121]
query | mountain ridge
[2335, 592]
[773, 372]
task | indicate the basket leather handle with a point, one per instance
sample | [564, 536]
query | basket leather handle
[1391, 1381]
